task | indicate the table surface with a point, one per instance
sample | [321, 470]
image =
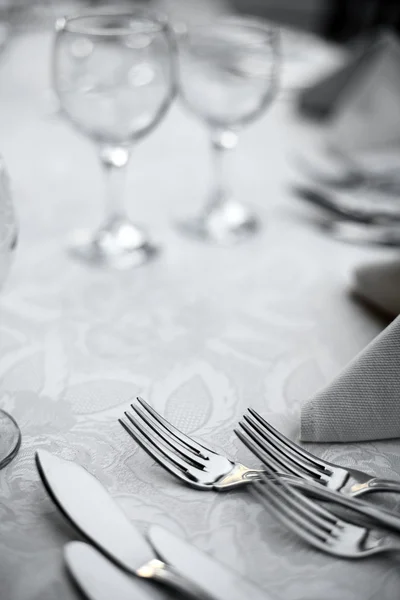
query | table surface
[202, 333]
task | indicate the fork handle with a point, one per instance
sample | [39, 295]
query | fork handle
[375, 485]
[382, 516]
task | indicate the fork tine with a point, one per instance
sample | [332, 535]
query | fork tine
[257, 451]
[282, 452]
[275, 509]
[332, 530]
[289, 490]
[297, 496]
[162, 433]
[294, 447]
[268, 458]
[179, 435]
[309, 508]
[153, 451]
[158, 450]
[291, 513]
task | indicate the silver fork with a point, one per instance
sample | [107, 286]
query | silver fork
[283, 455]
[181, 455]
[317, 525]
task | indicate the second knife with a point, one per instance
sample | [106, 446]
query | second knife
[101, 579]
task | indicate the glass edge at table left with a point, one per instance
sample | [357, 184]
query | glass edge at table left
[10, 435]
[10, 438]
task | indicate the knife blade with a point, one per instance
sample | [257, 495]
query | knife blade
[89, 507]
[212, 575]
[100, 579]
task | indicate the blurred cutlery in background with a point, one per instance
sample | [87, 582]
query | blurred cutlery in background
[350, 206]
[363, 233]
[336, 170]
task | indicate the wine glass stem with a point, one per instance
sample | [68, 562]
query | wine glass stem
[114, 160]
[222, 141]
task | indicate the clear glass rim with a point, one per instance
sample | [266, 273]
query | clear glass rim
[237, 21]
[74, 23]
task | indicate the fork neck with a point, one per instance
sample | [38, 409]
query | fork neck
[378, 542]
[375, 484]
[238, 476]
[241, 475]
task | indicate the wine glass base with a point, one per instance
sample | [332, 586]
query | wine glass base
[227, 223]
[10, 438]
[119, 245]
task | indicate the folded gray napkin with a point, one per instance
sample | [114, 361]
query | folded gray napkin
[367, 112]
[365, 90]
[320, 99]
[363, 402]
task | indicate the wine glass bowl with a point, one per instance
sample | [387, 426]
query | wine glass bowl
[114, 74]
[228, 78]
[226, 74]
[10, 436]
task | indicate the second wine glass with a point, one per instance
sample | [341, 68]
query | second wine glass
[10, 435]
[114, 74]
[228, 77]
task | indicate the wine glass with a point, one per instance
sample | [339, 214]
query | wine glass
[228, 77]
[10, 436]
[114, 74]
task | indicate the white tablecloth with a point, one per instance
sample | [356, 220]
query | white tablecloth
[202, 333]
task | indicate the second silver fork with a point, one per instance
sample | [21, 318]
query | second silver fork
[317, 525]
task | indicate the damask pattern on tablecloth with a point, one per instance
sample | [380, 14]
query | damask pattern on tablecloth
[202, 334]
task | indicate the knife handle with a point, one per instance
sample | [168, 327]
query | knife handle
[162, 573]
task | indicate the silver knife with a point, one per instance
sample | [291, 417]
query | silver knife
[212, 575]
[88, 506]
[100, 579]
